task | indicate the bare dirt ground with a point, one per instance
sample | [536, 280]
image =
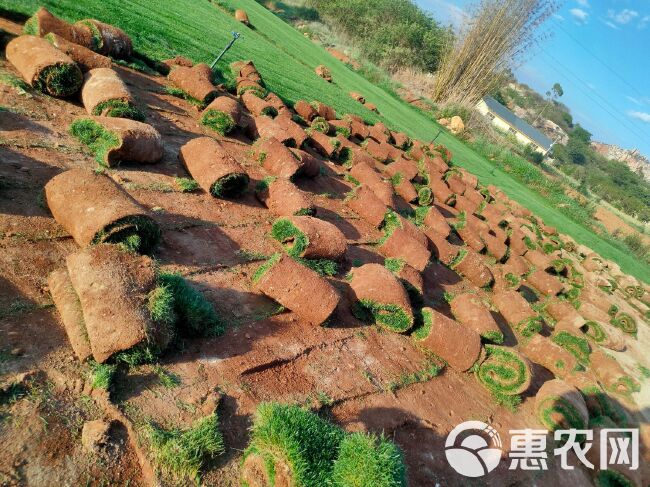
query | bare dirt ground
[351, 372]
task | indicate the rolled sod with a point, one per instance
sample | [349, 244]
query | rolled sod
[222, 115]
[196, 82]
[305, 110]
[257, 106]
[611, 375]
[429, 218]
[325, 111]
[321, 125]
[456, 344]
[368, 175]
[241, 16]
[495, 247]
[365, 203]
[282, 128]
[590, 312]
[469, 235]
[67, 304]
[310, 238]
[309, 165]
[113, 287]
[43, 66]
[246, 69]
[626, 323]
[342, 127]
[379, 297]
[444, 250]
[503, 371]
[108, 39]
[563, 310]
[380, 133]
[470, 265]
[398, 244]
[84, 57]
[276, 158]
[574, 344]
[367, 460]
[105, 94]
[276, 102]
[559, 405]
[471, 312]
[544, 283]
[212, 166]
[43, 22]
[383, 152]
[545, 352]
[283, 198]
[405, 189]
[540, 260]
[290, 446]
[297, 288]
[517, 312]
[95, 209]
[359, 130]
[116, 140]
[324, 144]
[441, 192]
[406, 167]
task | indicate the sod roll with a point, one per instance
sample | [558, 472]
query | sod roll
[113, 287]
[43, 66]
[212, 166]
[105, 94]
[108, 39]
[222, 115]
[365, 203]
[305, 110]
[116, 140]
[309, 165]
[282, 128]
[67, 304]
[550, 355]
[399, 244]
[544, 283]
[611, 374]
[379, 297]
[560, 406]
[435, 221]
[310, 238]
[470, 265]
[503, 371]
[276, 158]
[94, 209]
[324, 144]
[626, 323]
[471, 312]
[456, 344]
[283, 198]
[84, 57]
[297, 288]
[443, 250]
[574, 343]
[43, 22]
[364, 173]
[196, 82]
[257, 106]
[517, 312]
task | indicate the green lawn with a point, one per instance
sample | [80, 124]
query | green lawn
[286, 59]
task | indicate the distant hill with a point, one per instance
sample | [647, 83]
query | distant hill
[636, 161]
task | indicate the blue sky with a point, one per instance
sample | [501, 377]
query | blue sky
[599, 51]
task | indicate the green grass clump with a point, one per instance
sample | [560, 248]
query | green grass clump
[576, 346]
[97, 138]
[367, 460]
[178, 93]
[264, 268]
[425, 196]
[168, 379]
[195, 314]
[344, 131]
[306, 444]
[551, 407]
[294, 241]
[530, 327]
[255, 90]
[134, 233]
[119, 109]
[394, 265]
[321, 125]
[161, 305]
[462, 253]
[502, 372]
[230, 185]
[32, 27]
[60, 79]
[219, 121]
[390, 316]
[182, 453]
[324, 267]
[423, 326]
[493, 336]
[101, 375]
[612, 478]
[187, 185]
[625, 323]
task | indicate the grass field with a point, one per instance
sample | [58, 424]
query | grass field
[285, 58]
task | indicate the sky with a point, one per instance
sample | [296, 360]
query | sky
[599, 51]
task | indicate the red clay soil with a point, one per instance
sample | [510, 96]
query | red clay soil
[296, 287]
[305, 110]
[85, 203]
[513, 307]
[326, 241]
[549, 355]
[100, 86]
[32, 55]
[77, 34]
[283, 198]
[544, 283]
[458, 345]
[84, 57]
[195, 81]
[276, 158]
[365, 203]
[400, 245]
[471, 312]
[474, 269]
[210, 164]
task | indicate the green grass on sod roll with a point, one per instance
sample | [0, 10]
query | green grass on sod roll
[294, 241]
[625, 323]
[119, 109]
[60, 79]
[230, 185]
[391, 316]
[136, 233]
[502, 372]
[96, 137]
[576, 346]
[219, 121]
[552, 406]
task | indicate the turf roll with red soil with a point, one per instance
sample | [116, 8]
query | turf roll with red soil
[105, 94]
[325, 111]
[324, 144]
[43, 66]
[456, 344]
[611, 374]
[222, 115]
[517, 312]
[379, 297]
[368, 175]
[281, 128]
[212, 166]
[257, 106]
[276, 158]
[544, 283]
[297, 288]
[196, 82]
[559, 405]
[365, 203]
[470, 311]
[116, 140]
[113, 286]
[43, 22]
[470, 265]
[95, 209]
[503, 371]
[305, 110]
[84, 57]
[549, 355]
[433, 221]
[283, 198]
[397, 243]
[309, 165]
[108, 39]
[310, 238]
[67, 304]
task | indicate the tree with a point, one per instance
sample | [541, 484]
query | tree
[496, 37]
[553, 94]
[580, 134]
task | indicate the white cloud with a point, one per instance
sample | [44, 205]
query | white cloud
[644, 22]
[623, 17]
[579, 14]
[643, 116]
[634, 100]
[446, 10]
[584, 3]
[611, 25]
[558, 17]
